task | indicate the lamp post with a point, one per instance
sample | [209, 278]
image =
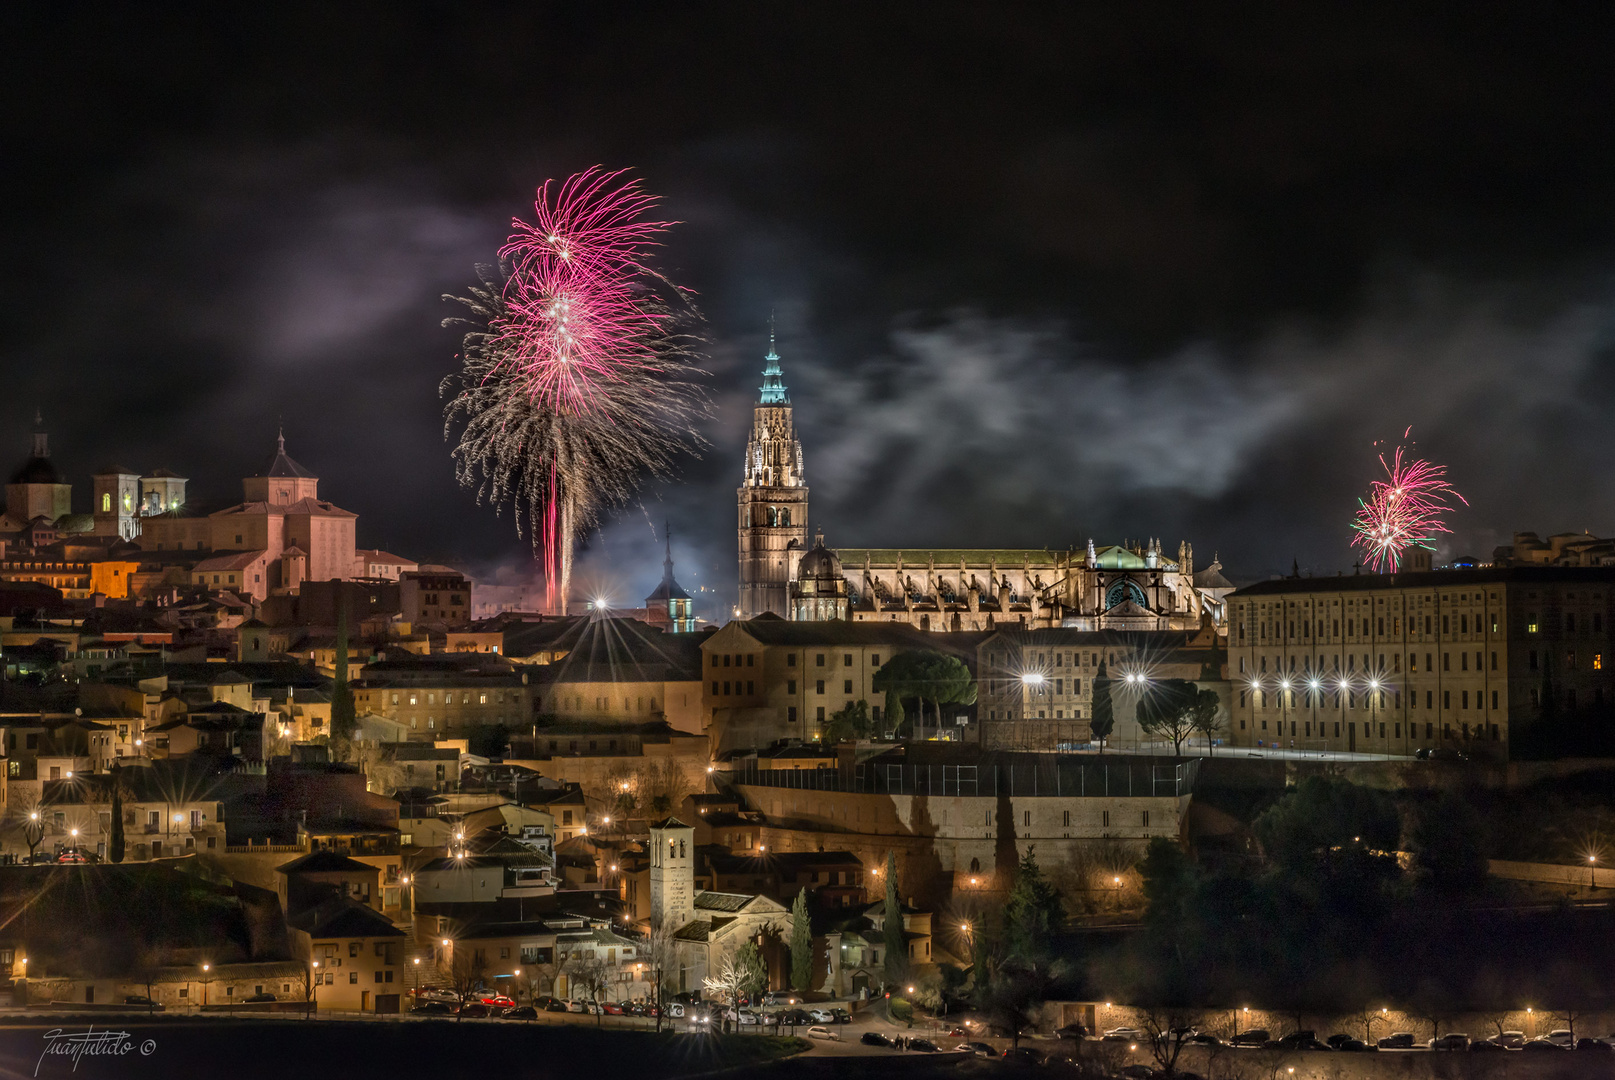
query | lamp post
[205, 980]
[315, 966]
[417, 980]
[33, 832]
[1592, 872]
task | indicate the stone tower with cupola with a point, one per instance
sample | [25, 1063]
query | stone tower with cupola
[773, 500]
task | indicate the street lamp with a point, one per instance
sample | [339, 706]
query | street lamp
[1592, 873]
[205, 980]
[316, 981]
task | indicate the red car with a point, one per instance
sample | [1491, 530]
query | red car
[499, 1000]
[611, 1008]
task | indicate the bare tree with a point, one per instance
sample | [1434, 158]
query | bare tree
[663, 786]
[464, 974]
[589, 970]
[660, 950]
[1166, 1033]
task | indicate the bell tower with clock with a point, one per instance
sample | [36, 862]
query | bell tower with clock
[773, 500]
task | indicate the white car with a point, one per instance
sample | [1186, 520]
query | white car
[748, 1019]
[574, 1006]
[1561, 1037]
[819, 1032]
[822, 1016]
[1124, 1034]
[675, 1011]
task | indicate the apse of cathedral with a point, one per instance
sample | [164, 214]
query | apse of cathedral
[1128, 586]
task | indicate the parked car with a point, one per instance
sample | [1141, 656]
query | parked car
[748, 1018]
[555, 1005]
[1354, 1046]
[1481, 1046]
[818, 1031]
[611, 1008]
[1123, 1034]
[1450, 1041]
[521, 1012]
[1509, 1040]
[1541, 1043]
[575, 1007]
[476, 1009]
[1561, 1037]
[1597, 1046]
[795, 1016]
[980, 1049]
[633, 1008]
[1138, 1072]
[874, 1038]
[675, 1010]
[75, 855]
[432, 1008]
[1023, 1055]
[1072, 1031]
[842, 1016]
[1254, 1037]
[1298, 1040]
[499, 1000]
[924, 1046]
[1397, 1040]
[254, 999]
[822, 1016]
[145, 1002]
[686, 997]
[1202, 1038]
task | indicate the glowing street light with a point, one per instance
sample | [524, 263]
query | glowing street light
[1032, 678]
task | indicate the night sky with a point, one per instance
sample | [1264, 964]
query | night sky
[1039, 274]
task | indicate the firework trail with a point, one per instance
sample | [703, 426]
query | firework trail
[579, 374]
[1403, 510]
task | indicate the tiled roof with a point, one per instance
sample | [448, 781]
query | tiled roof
[722, 901]
[694, 930]
[325, 862]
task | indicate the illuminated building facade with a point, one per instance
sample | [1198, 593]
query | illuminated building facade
[1397, 663]
[773, 501]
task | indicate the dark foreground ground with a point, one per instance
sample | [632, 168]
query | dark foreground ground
[441, 1050]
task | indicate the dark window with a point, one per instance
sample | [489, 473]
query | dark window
[790, 714]
[714, 694]
[821, 714]
[818, 660]
[790, 686]
[790, 659]
[874, 659]
[846, 686]
[818, 687]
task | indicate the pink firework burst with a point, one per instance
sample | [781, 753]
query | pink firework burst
[578, 313]
[1402, 511]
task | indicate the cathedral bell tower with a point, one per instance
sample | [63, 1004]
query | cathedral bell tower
[773, 500]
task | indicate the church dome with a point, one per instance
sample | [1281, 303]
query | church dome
[36, 470]
[820, 562]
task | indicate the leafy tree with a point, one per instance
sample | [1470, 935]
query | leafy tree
[1166, 710]
[1014, 995]
[116, 844]
[801, 944]
[1032, 914]
[892, 931]
[1447, 839]
[1207, 716]
[848, 723]
[1325, 817]
[926, 675]
[1170, 894]
[1104, 711]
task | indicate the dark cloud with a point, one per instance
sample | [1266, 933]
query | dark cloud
[1039, 273]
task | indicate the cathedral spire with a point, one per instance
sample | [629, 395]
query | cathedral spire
[773, 389]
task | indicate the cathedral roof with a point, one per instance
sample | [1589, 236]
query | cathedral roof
[283, 465]
[1212, 578]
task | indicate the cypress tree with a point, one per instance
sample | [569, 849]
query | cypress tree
[892, 934]
[115, 846]
[801, 944]
[343, 720]
[1104, 713]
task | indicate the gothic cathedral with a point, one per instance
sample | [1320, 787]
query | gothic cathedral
[773, 501]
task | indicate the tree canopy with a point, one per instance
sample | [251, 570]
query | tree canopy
[924, 676]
